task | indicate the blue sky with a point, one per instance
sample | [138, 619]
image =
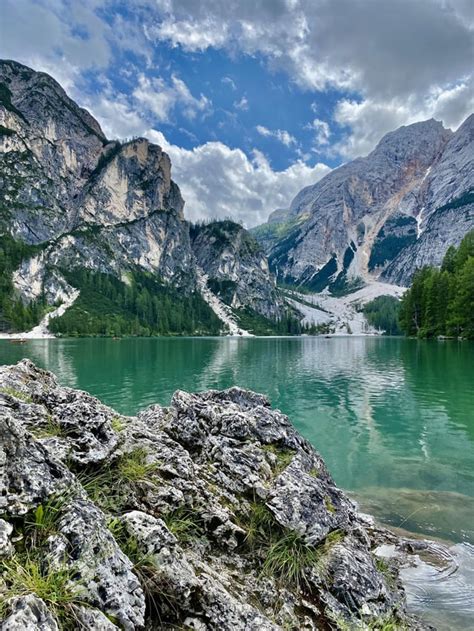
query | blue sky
[252, 99]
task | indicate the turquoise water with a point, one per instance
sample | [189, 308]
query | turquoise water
[393, 419]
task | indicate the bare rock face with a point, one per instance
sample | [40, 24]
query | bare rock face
[348, 225]
[236, 267]
[87, 202]
[212, 514]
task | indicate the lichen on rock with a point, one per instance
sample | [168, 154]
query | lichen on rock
[213, 513]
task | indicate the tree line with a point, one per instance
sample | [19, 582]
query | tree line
[440, 302]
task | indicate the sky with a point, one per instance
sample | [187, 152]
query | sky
[252, 99]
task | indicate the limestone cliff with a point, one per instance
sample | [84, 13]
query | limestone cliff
[82, 201]
[378, 216]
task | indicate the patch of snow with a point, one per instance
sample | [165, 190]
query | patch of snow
[222, 311]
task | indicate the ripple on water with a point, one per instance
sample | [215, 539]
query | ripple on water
[443, 593]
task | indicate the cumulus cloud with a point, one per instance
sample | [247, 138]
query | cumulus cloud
[391, 53]
[161, 98]
[217, 181]
[322, 132]
[281, 135]
[368, 120]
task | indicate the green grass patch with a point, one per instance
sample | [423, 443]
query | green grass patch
[25, 575]
[110, 487]
[17, 394]
[284, 457]
[186, 524]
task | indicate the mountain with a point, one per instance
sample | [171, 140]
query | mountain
[381, 216]
[76, 206]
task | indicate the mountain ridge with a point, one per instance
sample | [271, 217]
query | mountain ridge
[358, 219]
[81, 201]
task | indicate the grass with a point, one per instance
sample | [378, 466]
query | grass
[329, 505]
[185, 524]
[284, 457]
[288, 559]
[118, 424]
[17, 394]
[385, 623]
[259, 524]
[132, 466]
[26, 573]
[42, 522]
[23, 576]
[49, 429]
[109, 487]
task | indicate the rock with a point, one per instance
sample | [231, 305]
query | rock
[6, 547]
[105, 574]
[187, 509]
[94, 619]
[28, 613]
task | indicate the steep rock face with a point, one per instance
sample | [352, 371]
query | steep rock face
[382, 201]
[211, 514]
[90, 202]
[446, 213]
[87, 202]
[236, 267]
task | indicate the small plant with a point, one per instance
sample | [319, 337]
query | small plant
[314, 472]
[49, 429]
[185, 524]
[117, 424]
[284, 456]
[110, 487]
[288, 559]
[133, 467]
[259, 524]
[24, 576]
[329, 505]
[17, 394]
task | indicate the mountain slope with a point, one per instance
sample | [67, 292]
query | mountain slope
[362, 216]
[81, 202]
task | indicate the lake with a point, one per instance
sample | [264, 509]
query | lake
[393, 418]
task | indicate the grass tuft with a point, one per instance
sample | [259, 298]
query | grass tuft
[185, 524]
[284, 457]
[288, 559]
[17, 394]
[23, 576]
[117, 424]
[132, 466]
[110, 487]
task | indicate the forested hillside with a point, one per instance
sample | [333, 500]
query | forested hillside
[441, 301]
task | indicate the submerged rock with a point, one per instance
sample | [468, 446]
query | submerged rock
[213, 513]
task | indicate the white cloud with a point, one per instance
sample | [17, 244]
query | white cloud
[369, 119]
[322, 132]
[243, 104]
[281, 135]
[162, 98]
[230, 82]
[217, 181]
[406, 60]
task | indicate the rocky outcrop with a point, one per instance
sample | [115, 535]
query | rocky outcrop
[86, 202]
[213, 513]
[236, 267]
[367, 217]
